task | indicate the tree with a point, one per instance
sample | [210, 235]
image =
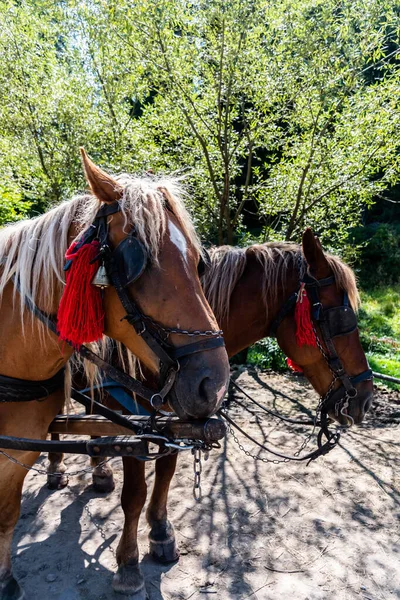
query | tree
[278, 114]
[270, 105]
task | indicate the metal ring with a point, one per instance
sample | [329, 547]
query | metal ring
[159, 404]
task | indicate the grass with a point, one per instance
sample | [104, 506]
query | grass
[379, 321]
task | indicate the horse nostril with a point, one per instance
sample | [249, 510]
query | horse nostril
[203, 389]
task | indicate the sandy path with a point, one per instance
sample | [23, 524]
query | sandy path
[262, 531]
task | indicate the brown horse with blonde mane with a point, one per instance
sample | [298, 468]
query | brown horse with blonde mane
[247, 289]
[32, 357]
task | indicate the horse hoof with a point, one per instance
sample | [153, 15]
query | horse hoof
[10, 590]
[128, 580]
[103, 484]
[57, 481]
[165, 551]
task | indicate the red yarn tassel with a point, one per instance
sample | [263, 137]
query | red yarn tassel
[80, 317]
[292, 365]
[305, 335]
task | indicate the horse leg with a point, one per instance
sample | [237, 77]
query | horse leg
[129, 579]
[163, 546]
[11, 480]
[103, 474]
[34, 423]
[56, 478]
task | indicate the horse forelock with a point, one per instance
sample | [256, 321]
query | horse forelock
[277, 261]
[143, 203]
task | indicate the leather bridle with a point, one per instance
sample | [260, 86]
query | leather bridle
[332, 322]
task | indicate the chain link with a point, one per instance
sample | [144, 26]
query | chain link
[98, 526]
[197, 469]
[169, 330]
[263, 459]
[303, 445]
[45, 472]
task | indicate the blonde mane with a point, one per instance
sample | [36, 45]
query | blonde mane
[276, 259]
[33, 250]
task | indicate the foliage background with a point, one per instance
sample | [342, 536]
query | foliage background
[278, 114]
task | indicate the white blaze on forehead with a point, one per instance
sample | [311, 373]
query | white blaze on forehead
[177, 238]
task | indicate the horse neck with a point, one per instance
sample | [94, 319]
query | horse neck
[27, 348]
[249, 320]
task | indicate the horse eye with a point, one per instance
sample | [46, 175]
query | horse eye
[204, 263]
[201, 267]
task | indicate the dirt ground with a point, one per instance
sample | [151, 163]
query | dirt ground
[262, 531]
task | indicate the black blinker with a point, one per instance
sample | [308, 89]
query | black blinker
[341, 320]
[129, 259]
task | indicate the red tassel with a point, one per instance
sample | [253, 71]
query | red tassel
[305, 335]
[292, 365]
[80, 317]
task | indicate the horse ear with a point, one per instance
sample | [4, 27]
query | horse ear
[314, 255]
[103, 186]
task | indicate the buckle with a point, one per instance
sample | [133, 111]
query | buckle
[316, 310]
[133, 320]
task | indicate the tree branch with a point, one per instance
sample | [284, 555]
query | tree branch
[306, 209]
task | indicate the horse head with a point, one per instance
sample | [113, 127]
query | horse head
[153, 257]
[333, 360]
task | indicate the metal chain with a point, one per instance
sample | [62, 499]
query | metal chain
[98, 526]
[263, 459]
[45, 472]
[306, 439]
[197, 469]
[170, 330]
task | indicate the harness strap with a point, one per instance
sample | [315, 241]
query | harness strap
[95, 407]
[364, 376]
[284, 311]
[23, 390]
[201, 346]
[311, 281]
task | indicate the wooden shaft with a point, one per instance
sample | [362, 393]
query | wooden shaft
[209, 430]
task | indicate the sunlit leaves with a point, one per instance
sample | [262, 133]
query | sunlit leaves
[278, 114]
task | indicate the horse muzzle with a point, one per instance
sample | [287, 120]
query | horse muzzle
[349, 410]
[200, 384]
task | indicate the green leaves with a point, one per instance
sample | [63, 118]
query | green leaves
[280, 114]
[12, 207]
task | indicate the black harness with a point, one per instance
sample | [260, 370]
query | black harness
[333, 322]
[124, 265]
